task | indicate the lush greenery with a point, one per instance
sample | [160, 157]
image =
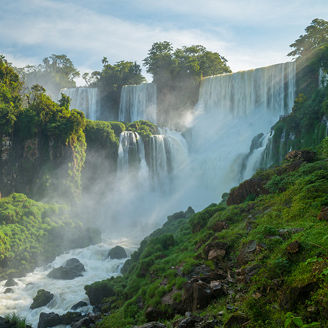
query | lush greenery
[33, 233]
[110, 81]
[286, 284]
[56, 72]
[177, 74]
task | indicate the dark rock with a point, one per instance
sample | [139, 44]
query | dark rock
[42, 298]
[293, 247]
[153, 314]
[300, 155]
[219, 226]
[323, 215]
[8, 291]
[49, 320]
[98, 291]
[205, 274]
[153, 324]
[11, 283]
[53, 319]
[236, 320]
[189, 322]
[72, 269]
[297, 295]
[79, 305]
[218, 289]
[248, 189]
[196, 295]
[118, 253]
[88, 321]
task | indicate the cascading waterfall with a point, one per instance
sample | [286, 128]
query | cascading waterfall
[232, 110]
[138, 102]
[84, 99]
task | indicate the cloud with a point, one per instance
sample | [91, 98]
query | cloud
[37, 28]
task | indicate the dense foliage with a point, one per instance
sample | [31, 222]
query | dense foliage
[177, 74]
[267, 280]
[316, 35]
[33, 233]
[110, 81]
[56, 72]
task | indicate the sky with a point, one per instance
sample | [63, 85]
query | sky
[248, 33]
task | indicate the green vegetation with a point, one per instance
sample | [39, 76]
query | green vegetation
[177, 74]
[56, 72]
[33, 233]
[110, 82]
[274, 267]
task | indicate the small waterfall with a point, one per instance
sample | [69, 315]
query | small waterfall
[131, 152]
[232, 109]
[84, 99]
[138, 102]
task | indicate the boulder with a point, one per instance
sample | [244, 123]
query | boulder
[293, 247]
[152, 314]
[153, 324]
[42, 298]
[118, 253]
[300, 155]
[72, 269]
[196, 295]
[236, 320]
[79, 305]
[8, 291]
[53, 319]
[11, 283]
[98, 291]
[323, 215]
[215, 250]
[219, 226]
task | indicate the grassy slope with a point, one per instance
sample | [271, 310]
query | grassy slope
[170, 254]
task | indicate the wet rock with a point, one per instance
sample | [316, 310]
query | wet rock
[323, 215]
[293, 247]
[8, 291]
[79, 305]
[49, 320]
[98, 291]
[236, 320]
[88, 321]
[42, 298]
[118, 253]
[11, 283]
[300, 155]
[53, 319]
[72, 269]
[153, 324]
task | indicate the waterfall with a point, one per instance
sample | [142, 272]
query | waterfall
[232, 110]
[84, 99]
[131, 152]
[323, 78]
[138, 102]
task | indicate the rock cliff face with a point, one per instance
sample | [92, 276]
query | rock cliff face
[39, 165]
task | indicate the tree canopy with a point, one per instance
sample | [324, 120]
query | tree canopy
[56, 72]
[316, 35]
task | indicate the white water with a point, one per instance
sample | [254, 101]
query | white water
[138, 102]
[67, 292]
[323, 78]
[84, 99]
[232, 110]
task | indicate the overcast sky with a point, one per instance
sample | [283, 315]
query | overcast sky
[249, 33]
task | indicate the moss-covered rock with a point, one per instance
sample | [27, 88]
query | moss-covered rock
[42, 298]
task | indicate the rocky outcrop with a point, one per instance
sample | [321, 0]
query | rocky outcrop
[53, 319]
[11, 283]
[118, 253]
[300, 155]
[42, 298]
[72, 269]
[98, 291]
[79, 305]
[249, 189]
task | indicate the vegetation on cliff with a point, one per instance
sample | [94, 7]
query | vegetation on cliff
[33, 233]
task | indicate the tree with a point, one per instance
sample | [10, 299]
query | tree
[316, 35]
[110, 82]
[55, 73]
